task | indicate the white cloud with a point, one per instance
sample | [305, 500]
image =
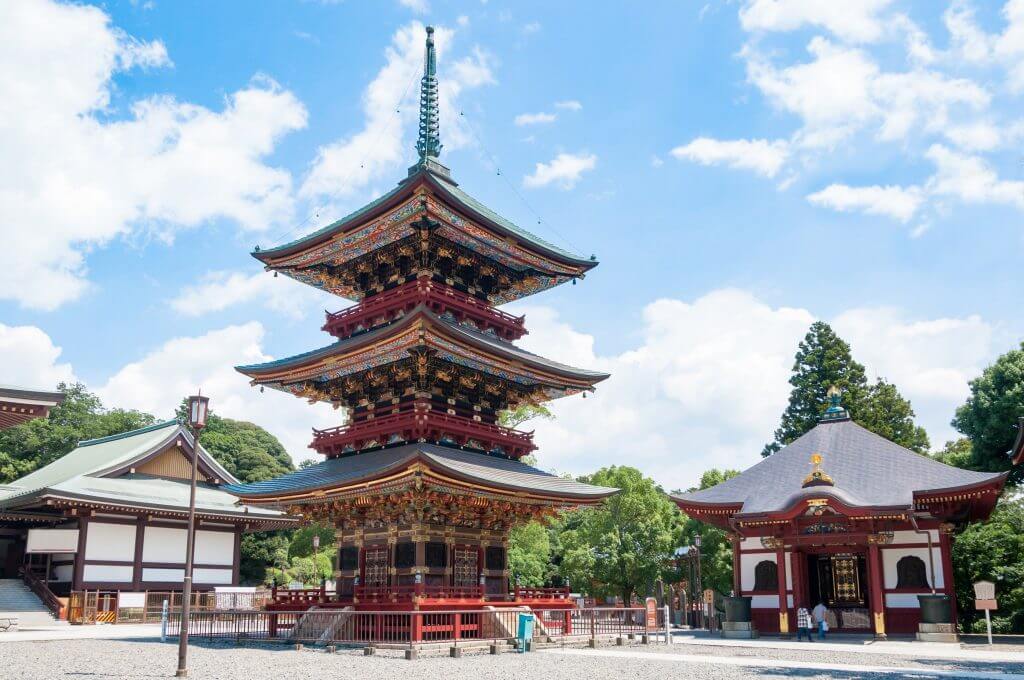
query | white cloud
[418, 6]
[564, 171]
[158, 381]
[970, 43]
[30, 359]
[707, 381]
[569, 105]
[856, 21]
[899, 203]
[87, 174]
[535, 118]
[351, 164]
[531, 28]
[220, 290]
[760, 155]
[978, 135]
[971, 179]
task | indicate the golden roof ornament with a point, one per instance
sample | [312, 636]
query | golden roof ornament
[818, 477]
[835, 410]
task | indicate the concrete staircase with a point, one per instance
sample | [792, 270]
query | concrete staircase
[16, 598]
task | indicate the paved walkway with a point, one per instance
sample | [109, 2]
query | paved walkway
[930, 650]
[125, 631]
[754, 662]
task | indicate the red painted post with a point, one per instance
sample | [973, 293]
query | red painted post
[780, 557]
[876, 583]
[416, 634]
[457, 625]
[946, 548]
[567, 626]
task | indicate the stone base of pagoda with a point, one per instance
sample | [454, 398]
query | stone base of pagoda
[739, 630]
[937, 632]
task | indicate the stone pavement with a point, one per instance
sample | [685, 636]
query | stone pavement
[859, 645]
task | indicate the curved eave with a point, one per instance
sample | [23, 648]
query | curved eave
[407, 466]
[505, 350]
[396, 197]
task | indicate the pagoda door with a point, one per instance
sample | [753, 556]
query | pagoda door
[375, 567]
[466, 567]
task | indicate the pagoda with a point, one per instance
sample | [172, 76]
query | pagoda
[423, 483]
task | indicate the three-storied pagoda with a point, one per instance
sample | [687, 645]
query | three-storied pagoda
[846, 517]
[423, 483]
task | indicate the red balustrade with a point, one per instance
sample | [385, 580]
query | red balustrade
[417, 425]
[438, 297]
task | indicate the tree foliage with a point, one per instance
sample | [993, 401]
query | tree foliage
[716, 550]
[991, 414]
[823, 360]
[529, 554]
[302, 541]
[522, 413]
[992, 551]
[81, 416]
[622, 546]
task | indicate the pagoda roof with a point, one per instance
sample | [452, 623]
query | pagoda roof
[99, 472]
[490, 344]
[21, 404]
[480, 469]
[865, 471]
[445, 188]
[1017, 452]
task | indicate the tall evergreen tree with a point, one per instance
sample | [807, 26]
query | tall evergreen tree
[824, 360]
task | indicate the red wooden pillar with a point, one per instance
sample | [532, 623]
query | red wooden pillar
[797, 567]
[737, 572]
[780, 561]
[946, 548]
[416, 635]
[876, 585]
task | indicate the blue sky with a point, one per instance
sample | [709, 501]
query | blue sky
[739, 168]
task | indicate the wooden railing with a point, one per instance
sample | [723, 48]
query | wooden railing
[45, 595]
[419, 590]
[526, 593]
[438, 297]
[422, 424]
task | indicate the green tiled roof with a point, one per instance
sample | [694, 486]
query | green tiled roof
[458, 196]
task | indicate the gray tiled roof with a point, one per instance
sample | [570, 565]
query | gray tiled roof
[868, 470]
[477, 467]
[492, 342]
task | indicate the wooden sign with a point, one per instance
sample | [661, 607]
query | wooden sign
[651, 607]
[709, 596]
[985, 605]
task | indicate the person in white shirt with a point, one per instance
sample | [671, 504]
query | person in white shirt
[819, 613]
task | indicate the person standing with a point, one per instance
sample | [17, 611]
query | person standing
[803, 624]
[819, 613]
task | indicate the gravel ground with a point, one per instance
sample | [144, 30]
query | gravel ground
[151, 659]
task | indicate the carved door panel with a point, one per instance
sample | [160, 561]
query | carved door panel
[375, 567]
[846, 588]
[465, 569]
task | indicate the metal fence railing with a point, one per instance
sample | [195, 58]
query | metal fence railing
[410, 628]
[108, 606]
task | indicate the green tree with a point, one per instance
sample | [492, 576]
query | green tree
[956, 453]
[716, 550]
[621, 546]
[529, 554]
[991, 414]
[81, 416]
[261, 552]
[302, 541]
[520, 414]
[992, 551]
[311, 570]
[823, 360]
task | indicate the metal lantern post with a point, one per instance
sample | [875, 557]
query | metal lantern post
[316, 566]
[198, 407]
[700, 584]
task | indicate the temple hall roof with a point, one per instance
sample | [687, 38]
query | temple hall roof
[98, 472]
[478, 468]
[866, 470]
[21, 404]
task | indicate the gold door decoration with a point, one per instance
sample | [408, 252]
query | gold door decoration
[465, 567]
[845, 580]
[376, 567]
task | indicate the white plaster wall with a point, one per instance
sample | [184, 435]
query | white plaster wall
[750, 544]
[768, 601]
[213, 547]
[914, 537]
[890, 556]
[220, 576]
[63, 573]
[903, 600]
[749, 562]
[163, 575]
[163, 544]
[105, 573]
[52, 540]
[110, 542]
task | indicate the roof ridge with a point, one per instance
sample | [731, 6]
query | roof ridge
[129, 433]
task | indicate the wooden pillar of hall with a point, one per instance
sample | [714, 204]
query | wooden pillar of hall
[798, 567]
[780, 562]
[946, 550]
[876, 585]
[737, 571]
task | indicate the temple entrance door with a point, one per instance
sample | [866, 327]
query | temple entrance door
[375, 567]
[466, 567]
[840, 581]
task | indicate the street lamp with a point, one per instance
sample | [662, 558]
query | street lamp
[316, 567]
[198, 408]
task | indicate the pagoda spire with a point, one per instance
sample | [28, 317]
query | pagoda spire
[429, 142]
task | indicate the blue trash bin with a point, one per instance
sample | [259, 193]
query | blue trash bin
[524, 632]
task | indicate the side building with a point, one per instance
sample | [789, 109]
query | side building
[111, 515]
[848, 518]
